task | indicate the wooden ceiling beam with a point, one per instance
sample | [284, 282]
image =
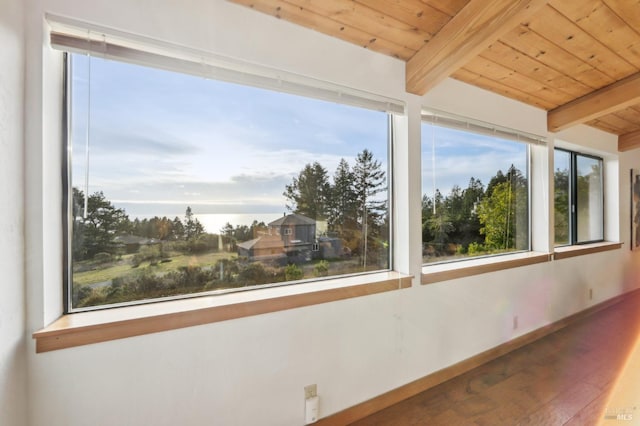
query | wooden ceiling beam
[629, 141]
[616, 96]
[468, 33]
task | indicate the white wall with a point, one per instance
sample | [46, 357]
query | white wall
[12, 285]
[253, 370]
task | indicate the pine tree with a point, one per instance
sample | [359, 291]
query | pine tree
[308, 194]
[95, 231]
[342, 199]
[192, 227]
[369, 181]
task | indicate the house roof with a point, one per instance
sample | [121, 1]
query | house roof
[134, 239]
[293, 219]
[578, 60]
[262, 242]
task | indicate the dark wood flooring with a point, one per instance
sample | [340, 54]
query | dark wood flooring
[565, 378]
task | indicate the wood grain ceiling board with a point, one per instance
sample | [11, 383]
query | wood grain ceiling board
[508, 77]
[508, 56]
[301, 16]
[411, 12]
[534, 45]
[615, 121]
[627, 10]
[450, 7]
[564, 51]
[621, 122]
[565, 34]
[474, 79]
[603, 24]
[357, 15]
[629, 141]
[631, 116]
[604, 126]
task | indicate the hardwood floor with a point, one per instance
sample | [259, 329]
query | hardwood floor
[565, 378]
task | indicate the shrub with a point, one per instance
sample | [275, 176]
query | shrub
[476, 248]
[321, 269]
[103, 257]
[292, 272]
[80, 293]
[253, 273]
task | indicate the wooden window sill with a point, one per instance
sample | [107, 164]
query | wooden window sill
[582, 249]
[117, 323]
[469, 267]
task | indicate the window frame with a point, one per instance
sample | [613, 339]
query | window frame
[478, 127]
[67, 209]
[67, 197]
[573, 197]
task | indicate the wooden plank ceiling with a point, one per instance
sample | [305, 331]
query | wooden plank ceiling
[577, 59]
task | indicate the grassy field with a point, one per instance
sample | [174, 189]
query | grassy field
[123, 268]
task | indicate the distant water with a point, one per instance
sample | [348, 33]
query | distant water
[213, 222]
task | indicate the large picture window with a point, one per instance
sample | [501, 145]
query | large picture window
[179, 185]
[475, 188]
[578, 198]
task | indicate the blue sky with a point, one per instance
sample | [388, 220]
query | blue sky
[461, 155]
[160, 141]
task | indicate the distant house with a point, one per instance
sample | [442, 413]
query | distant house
[265, 247]
[291, 238]
[132, 243]
[294, 229]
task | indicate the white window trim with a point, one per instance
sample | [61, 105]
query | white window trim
[436, 117]
[79, 37]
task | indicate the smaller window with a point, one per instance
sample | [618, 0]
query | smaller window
[578, 198]
[475, 183]
[287, 231]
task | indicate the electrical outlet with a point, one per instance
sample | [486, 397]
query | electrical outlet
[515, 322]
[310, 391]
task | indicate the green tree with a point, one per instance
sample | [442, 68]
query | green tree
[503, 212]
[561, 206]
[192, 226]
[495, 180]
[308, 194]
[98, 228]
[342, 200]
[244, 232]
[496, 216]
[369, 180]
[440, 227]
[438, 224]
[427, 214]
[468, 228]
[227, 237]
[177, 228]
